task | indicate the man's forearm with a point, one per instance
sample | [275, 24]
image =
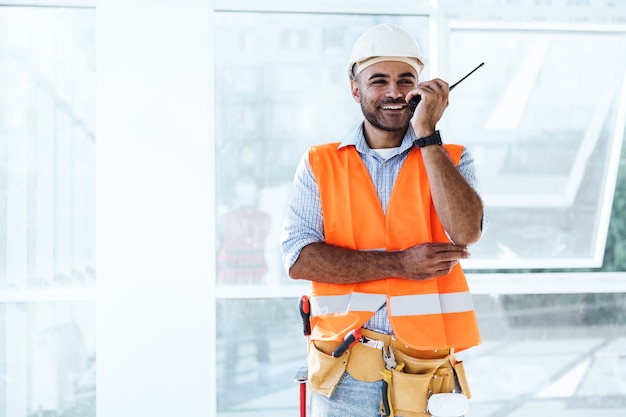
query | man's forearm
[458, 206]
[326, 263]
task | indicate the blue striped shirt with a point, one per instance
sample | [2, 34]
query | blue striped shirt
[304, 224]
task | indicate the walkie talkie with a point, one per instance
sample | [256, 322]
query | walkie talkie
[416, 99]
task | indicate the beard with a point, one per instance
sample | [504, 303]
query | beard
[379, 120]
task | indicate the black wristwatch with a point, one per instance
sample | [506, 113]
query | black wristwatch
[434, 139]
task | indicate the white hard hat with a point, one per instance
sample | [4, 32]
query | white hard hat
[385, 42]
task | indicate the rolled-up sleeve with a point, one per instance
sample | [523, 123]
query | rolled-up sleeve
[303, 223]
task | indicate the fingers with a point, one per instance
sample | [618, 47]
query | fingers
[434, 87]
[411, 94]
[439, 251]
[445, 268]
[449, 251]
[431, 260]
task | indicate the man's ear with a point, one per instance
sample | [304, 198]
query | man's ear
[354, 86]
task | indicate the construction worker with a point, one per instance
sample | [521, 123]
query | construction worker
[378, 223]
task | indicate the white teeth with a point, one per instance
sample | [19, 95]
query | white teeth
[392, 107]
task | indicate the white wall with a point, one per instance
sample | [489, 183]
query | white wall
[154, 209]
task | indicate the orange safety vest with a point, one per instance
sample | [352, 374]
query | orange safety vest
[424, 315]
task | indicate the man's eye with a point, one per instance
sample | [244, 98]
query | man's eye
[406, 82]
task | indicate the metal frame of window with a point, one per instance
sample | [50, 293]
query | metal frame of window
[88, 4]
[403, 7]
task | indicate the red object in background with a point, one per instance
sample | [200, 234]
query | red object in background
[242, 253]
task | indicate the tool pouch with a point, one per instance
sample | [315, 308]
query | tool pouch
[409, 393]
[325, 371]
[419, 379]
[410, 389]
[369, 363]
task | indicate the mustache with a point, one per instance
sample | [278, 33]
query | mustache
[393, 101]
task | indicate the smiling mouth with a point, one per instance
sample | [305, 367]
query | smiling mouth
[393, 107]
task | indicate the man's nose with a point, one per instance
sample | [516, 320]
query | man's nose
[394, 91]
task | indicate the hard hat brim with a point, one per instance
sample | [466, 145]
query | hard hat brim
[357, 67]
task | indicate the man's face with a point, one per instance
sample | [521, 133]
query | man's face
[381, 89]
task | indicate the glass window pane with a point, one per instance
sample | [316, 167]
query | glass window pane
[281, 86]
[260, 346]
[47, 211]
[279, 83]
[48, 362]
[548, 355]
[541, 118]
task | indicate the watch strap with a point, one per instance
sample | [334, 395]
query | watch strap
[434, 139]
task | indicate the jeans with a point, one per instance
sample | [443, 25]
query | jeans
[352, 398]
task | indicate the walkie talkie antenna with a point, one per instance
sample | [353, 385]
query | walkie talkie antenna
[416, 99]
[470, 73]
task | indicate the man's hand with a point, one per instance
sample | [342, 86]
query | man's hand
[431, 260]
[434, 101]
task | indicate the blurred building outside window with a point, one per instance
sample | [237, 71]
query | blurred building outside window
[47, 211]
[549, 165]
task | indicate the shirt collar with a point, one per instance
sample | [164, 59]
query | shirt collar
[356, 138]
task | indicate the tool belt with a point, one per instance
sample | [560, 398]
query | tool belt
[417, 375]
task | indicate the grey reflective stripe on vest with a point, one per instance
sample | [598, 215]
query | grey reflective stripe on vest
[404, 305]
[356, 301]
[422, 304]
